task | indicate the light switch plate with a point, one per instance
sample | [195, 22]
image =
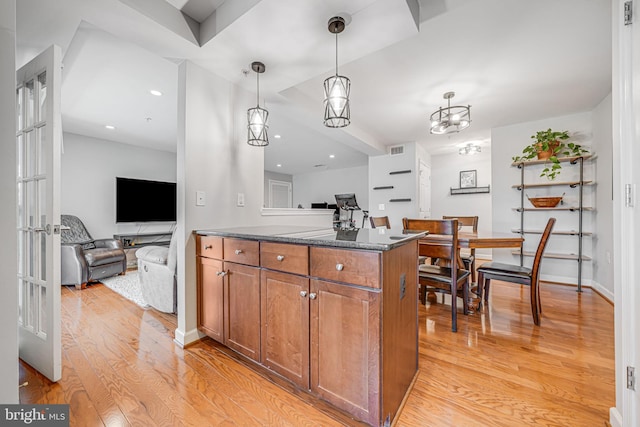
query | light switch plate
[381, 207]
[240, 199]
[200, 198]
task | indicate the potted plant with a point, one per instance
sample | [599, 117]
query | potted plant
[549, 145]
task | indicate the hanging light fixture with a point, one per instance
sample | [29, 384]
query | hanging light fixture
[257, 117]
[450, 119]
[469, 149]
[336, 88]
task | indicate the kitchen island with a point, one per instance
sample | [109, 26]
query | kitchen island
[333, 312]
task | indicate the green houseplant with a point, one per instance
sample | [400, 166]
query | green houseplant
[550, 145]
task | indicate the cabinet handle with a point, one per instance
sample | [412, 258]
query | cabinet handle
[339, 267]
[280, 257]
[207, 247]
[303, 294]
[221, 273]
[312, 295]
[238, 251]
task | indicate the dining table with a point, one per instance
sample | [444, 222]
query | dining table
[477, 240]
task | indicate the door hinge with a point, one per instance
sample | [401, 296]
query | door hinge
[628, 195]
[631, 378]
[628, 12]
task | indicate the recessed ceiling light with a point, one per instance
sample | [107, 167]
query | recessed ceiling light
[110, 127]
[279, 165]
[277, 136]
[155, 92]
[332, 156]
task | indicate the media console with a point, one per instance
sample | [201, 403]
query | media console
[132, 241]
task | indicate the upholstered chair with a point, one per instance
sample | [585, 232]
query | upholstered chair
[157, 273]
[85, 259]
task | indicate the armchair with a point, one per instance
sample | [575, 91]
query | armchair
[157, 273]
[85, 259]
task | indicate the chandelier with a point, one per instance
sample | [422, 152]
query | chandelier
[336, 88]
[469, 150]
[450, 119]
[257, 117]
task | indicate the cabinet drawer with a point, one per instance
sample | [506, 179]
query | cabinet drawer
[285, 257]
[209, 246]
[242, 251]
[348, 266]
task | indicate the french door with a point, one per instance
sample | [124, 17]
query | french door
[38, 140]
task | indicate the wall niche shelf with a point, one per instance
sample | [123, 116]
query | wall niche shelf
[470, 190]
[576, 186]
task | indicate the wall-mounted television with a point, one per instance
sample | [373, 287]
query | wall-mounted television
[139, 200]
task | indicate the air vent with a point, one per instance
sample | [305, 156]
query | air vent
[396, 150]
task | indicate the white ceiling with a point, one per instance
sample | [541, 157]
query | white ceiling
[511, 60]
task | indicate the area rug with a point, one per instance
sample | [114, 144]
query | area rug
[128, 286]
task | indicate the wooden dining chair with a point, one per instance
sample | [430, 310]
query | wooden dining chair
[447, 278]
[517, 274]
[379, 221]
[469, 259]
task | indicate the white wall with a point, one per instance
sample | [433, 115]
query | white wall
[89, 170]
[318, 187]
[214, 157]
[8, 260]
[445, 174]
[603, 147]
[405, 185]
[507, 142]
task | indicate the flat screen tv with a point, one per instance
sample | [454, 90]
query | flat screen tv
[139, 200]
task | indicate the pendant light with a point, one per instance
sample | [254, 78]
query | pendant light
[336, 88]
[257, 117]
[450, 119]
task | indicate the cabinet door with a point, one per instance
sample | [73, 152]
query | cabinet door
[285, 325]
[211, 298]
[242, 299]
[345, 352]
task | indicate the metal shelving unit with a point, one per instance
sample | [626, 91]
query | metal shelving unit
[580, 209]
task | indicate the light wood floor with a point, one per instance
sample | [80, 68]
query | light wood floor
[121, 367]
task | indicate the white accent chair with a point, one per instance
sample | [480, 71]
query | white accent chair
[157, 273]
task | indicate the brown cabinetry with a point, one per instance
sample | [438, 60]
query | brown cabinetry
[285, 325]
[338, 323]
[211, 298]
[242, 302]
[345, 347]
[229, 293]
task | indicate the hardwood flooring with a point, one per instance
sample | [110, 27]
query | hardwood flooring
[121, 367]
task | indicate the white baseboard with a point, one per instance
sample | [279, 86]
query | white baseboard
[615, 419]
[183, 339]
[604, 292]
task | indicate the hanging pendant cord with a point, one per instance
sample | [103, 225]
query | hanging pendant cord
[336, 54]
[258, 89]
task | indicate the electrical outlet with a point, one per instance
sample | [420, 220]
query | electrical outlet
[381, 207]
[240, 199]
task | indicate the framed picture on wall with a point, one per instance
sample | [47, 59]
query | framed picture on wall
[468, 179]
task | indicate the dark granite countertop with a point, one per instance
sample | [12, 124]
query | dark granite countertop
[379, 239]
